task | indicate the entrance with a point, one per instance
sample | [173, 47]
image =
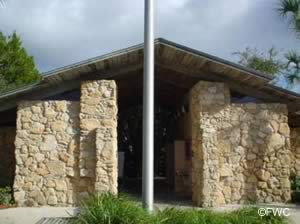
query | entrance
[172, 152]
[172, 176]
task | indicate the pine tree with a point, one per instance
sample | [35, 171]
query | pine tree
[17, 68]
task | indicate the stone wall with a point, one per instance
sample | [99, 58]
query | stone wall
[106, 160]
[67, 150]
[205, 99]
[58, 155]
[46, 151]
[240, 152]
[295, 151]
[98, 110]
[7, 156]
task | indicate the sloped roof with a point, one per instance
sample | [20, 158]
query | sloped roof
[168, 55]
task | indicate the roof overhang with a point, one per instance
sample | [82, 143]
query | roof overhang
[168, 55]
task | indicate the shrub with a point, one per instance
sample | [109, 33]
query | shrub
[295, 183]
[5, 196]
[192, 216]
[295, 187]
[250, 216]
[111, 209]
[175, 216]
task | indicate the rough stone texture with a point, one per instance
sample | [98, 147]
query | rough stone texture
[98, 110]
[106, 138]
[66, 150]
[106, 160]
[46, 150]
[7, 156]
[240, 151]
[59, 158]
[295, 151]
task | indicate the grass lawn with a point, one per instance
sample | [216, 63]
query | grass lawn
[110, 209]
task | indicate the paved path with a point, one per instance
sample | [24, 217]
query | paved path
[32, 215]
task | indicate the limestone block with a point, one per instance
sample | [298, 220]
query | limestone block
[39, 157]
[225, 171]
[49, 143]
[263, 175]
[59, 126]
[251, 156]
[60, 185]
[262, 185]
[61, 106]
[52, 200]
[277, 141]
[37, 128]
[284, 129]
[19, 196]
[56, 168]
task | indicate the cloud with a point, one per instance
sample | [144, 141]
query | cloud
[58, 33]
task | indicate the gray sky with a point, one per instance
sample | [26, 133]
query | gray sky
[58, 33]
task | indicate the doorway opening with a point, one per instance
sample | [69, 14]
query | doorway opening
[172, 148]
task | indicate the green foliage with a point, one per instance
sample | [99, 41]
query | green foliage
[266, 63]
[293, 66]
[290, 9]
[5, 196]
[295, 187]
[16, 67]
[192, 216]
[110, 209]
[295, 183]
[271, 64]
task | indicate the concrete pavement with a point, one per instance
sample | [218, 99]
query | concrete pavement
[33, 215]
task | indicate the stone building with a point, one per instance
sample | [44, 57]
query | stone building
[235, 136]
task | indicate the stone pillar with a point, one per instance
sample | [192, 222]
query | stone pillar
[106, 159]
[98, 141]
[241, 152]
[206, 98]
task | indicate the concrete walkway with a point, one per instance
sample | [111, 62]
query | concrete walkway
[33, 215]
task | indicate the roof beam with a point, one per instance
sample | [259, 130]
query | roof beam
[111, 73]
[39, 94]
[209, 76]
[236, 86]
[47, 89]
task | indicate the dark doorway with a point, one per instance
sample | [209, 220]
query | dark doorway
[130, 145]
[171, 92]
[7, 156]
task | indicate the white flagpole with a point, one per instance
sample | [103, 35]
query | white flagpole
[148, 108]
